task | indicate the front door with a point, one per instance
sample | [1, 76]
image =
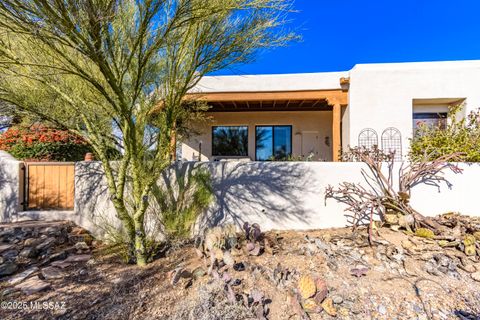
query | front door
[310, 145]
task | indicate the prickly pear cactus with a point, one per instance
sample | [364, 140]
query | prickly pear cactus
[424, 233]
[469, 242]
[311, 306]
[322, 290]
[214, 238]
[306, 286]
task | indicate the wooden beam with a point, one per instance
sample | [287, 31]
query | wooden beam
[336, 134]
[332, 96]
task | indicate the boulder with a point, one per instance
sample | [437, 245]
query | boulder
[78, 258]
[33, 285]
[82, 246]
[28, 252]
[58, 256]
[6, 247]
[8, 268]
[52, 273]
[19, 277]
[47, 243]
[10, 254]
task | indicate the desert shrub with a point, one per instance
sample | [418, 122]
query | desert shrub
[44, 144]
[460, 136]
[184, 194]
[211, 303]
[116, 241]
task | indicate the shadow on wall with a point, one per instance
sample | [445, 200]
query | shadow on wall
[8, 198]
[92, 199]
[260, 192]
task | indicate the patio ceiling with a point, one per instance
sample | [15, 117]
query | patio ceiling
[318, 100]
[270, 105]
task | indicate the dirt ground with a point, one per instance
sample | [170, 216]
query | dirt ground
[404, 277]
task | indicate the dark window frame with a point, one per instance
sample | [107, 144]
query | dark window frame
[273, 138]
[429, 116]
[214, 154]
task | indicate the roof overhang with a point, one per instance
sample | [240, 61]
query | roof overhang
[311, 100]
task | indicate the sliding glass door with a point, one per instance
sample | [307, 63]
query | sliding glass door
[273, 142]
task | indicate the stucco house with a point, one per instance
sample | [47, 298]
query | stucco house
[315, 115]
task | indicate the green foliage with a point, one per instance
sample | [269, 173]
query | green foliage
[182, 199]
[117, 72]
[42, 143]
[460, 136]
[50, 151]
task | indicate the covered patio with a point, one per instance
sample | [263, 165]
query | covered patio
[278, 125]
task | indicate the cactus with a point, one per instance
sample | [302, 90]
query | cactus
[306, 286]
[311, 306]
[322, 290]
[252, 232]
[424, 233]
[327, 305]
[477, 235]
[469, 240]
[470, 250]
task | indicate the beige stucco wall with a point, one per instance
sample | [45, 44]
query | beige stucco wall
[301, 122]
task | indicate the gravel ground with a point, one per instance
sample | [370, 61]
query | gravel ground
[400, 277]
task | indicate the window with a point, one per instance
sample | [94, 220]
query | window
[273, 142]
[430, 119]
[230, 141]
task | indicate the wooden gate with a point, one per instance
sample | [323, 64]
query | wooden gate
[50, 185]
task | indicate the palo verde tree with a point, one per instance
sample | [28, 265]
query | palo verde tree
[116, 72]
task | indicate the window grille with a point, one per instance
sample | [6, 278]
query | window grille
[392, 142]
[367, 138]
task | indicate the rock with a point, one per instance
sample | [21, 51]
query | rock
[51, 231]
[6, 247]
[470, 268]
[30, 242]
[52, 273]
[58, 256]
[28, 252]
[8, 291]
[198, 272]
[82, 272]
[228, 259]
[10, 254]
[60, 264]
[33, 285]
[78, 231]
[382, 310]
[45, 244]
[337, 299]
[8, 268]
[19, 277]
[78, 258]
[2, 260]
[476, 276]
[81, 246]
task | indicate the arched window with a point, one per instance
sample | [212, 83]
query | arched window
[367, 138]
[392, 142]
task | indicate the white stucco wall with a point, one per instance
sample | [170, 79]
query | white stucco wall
[9, 186]
[271, 82]
[277, 195]
[381, 95]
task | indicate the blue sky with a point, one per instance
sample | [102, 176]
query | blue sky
[337, 34]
